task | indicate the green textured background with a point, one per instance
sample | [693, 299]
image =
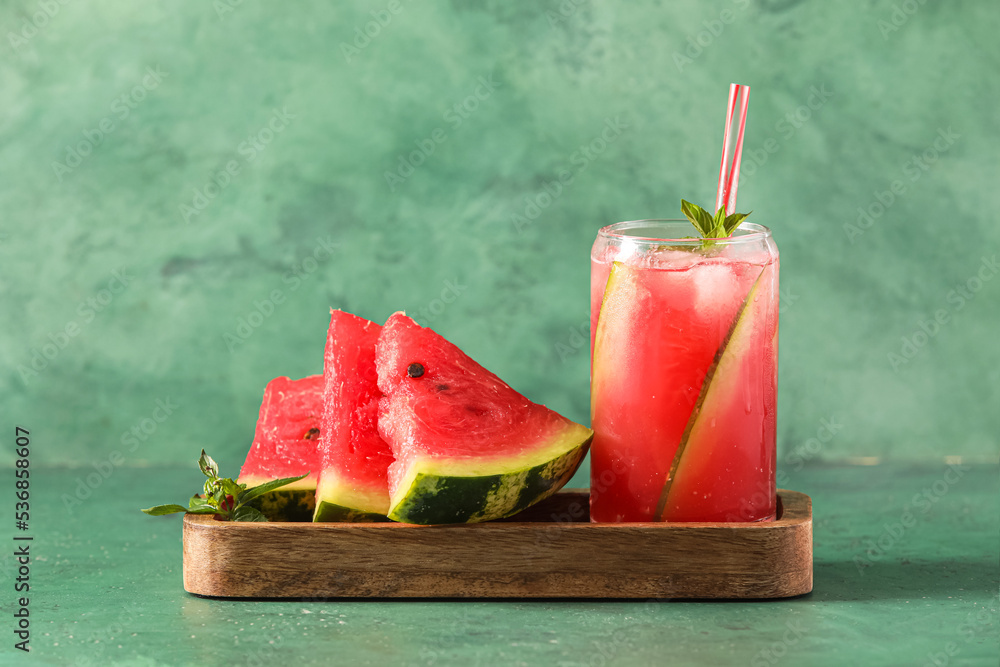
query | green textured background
[521, 300]
[106, 583]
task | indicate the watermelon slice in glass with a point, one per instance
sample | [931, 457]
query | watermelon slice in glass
[467, 447]
[354, 458]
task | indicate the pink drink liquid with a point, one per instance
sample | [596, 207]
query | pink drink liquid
[671, 316]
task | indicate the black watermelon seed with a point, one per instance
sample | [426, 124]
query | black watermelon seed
[312, 434]
[415, 370]
[442, 387]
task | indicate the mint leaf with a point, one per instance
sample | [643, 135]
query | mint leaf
[213, 490]
[160, 510]
[719, 223]
[247, 513]
[699, 217]
[733, 221]
[222, 496]
[257, 491]
[719, 226]
[208, 466]
[198, 504]
[230, 487]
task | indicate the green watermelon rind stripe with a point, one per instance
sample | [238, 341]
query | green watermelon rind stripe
[284, 505]
[435, 498]
[327, 511]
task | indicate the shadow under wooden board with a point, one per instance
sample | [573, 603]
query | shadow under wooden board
[548, 551]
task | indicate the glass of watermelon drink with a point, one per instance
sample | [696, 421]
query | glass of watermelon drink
[684, 351]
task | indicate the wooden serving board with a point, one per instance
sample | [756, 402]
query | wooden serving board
[548, 551]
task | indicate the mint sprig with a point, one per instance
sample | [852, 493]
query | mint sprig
[222, 496]
[712, 227]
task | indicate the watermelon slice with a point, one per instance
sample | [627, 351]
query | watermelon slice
[285, 445]
[352, 484]
[468, 448]
[713, 446]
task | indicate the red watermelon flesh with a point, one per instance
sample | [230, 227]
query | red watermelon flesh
[288, 433]
[354, 458]
[468, 447]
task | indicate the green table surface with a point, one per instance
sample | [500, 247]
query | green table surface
[907, 569]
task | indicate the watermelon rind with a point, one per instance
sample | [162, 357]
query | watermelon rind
[331, 512]
[286, 505]
[437, 490]
[293, 502]
[354, 503]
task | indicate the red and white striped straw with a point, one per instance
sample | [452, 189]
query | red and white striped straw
[729, 179]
